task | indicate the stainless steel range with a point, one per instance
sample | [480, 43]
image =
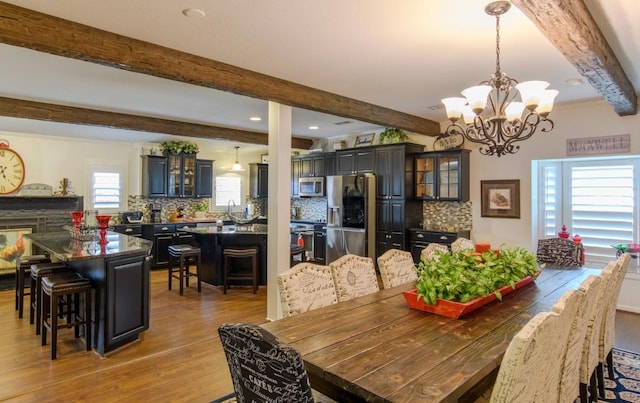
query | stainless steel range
[304, 231]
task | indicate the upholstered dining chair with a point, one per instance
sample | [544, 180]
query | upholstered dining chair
[570, 373]
[396, 267]
[462, 244]
[263, 369]
[354, 276]
[521, 374]
[429, 252]
[306, 286]
[560, 252]
[607, 332]
[591, 349]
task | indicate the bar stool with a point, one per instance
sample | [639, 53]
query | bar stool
[185, 255]
[240, 253]
[70, 286]
[38, 271]
[23, 266]
[296, 250]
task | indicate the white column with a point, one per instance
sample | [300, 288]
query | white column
[279, 210]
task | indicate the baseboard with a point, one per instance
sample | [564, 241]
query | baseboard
[628, 308]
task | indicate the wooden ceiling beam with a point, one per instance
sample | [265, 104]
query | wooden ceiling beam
[18, 108]
[572, 30]
[33, 30]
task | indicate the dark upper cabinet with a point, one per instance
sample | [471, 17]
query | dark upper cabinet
[204, 178]
[442, 175]
[329, 164]
[295, 175]
[354, 161]
[390, 173]
[312, 165]
[181, 178]
[259, 180]
[154, 176]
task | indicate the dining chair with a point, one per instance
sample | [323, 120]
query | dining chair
[263, 369]
[354, 276]
[521, 377]
[591, 349]
[306, 286]
[560, 252]
[430, 251]
[570, 372]
[462, 244]
[607, 332]
[396, 267]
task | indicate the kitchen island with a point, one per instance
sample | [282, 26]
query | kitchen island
[212, 242]
[119, 274]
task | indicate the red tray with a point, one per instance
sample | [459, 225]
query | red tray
[454, 309]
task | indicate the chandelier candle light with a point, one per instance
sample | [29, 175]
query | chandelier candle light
[505, 121]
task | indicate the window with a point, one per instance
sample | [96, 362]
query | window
[228, 187]
[594, 198]
[106, 186]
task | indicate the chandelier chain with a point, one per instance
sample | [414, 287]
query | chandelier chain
[498, 68]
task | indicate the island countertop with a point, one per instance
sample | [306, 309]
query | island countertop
[256, 229]
[63, 246]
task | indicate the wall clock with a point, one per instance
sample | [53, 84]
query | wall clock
[11, 169]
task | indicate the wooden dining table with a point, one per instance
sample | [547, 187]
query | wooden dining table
[377, 349]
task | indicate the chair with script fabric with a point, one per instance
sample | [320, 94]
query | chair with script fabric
[430, 251]
[570, 375]
[354, 276]
[560, 252]
[462, 244]
[396, 267]
[607, 332]
[306, 286]
[591, 349]
[263, 369]
[526, 361]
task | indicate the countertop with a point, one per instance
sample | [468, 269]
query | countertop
[253, 229]
[65, 248]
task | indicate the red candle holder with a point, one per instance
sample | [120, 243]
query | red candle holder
[76, 218]
[103, 221]
[482, 247]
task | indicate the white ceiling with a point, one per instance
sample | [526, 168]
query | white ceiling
[404, 55]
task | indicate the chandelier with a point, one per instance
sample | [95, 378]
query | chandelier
[504, 121]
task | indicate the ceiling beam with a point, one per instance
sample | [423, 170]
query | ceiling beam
[18, 108]
[572, 30]
[33, 30]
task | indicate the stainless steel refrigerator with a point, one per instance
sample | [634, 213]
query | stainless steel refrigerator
[351, 224]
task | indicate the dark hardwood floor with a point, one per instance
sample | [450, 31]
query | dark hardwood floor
[178, 359]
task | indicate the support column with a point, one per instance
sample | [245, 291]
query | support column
[279, 210]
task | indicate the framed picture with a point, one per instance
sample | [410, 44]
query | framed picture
[500, 198]
[264, 158]
[364, 140]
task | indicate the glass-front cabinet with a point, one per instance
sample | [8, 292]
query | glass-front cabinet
[182, 174]
[442, 175]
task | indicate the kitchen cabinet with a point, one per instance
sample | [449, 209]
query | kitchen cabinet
[320, 243]
[154, 176]
[442, 176]
[390, 228]
[355, 161]
[129, 229]
[259, 180]
[181, 177]
[164, 235]
[204, 178]
[419, 239]
[295, 176]
[312, 165]
[329, 164]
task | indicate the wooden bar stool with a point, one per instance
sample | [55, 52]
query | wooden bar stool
[23, 267]
[70, 286]
[240, 253]
[38, 271]
[296, 250]
[185, 256]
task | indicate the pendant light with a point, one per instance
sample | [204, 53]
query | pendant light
[236, 167]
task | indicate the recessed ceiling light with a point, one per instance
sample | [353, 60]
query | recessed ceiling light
[313, 127]
[255, 118]
[574, 82]
[193, 13]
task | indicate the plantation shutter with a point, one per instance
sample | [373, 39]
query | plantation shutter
[106, 190]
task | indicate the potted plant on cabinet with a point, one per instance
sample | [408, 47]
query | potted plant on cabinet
[177, 147]
[393, 135]
[200, 210]
[456, 283]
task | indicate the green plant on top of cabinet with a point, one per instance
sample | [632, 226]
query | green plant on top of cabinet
[181, 178]
[442, 175]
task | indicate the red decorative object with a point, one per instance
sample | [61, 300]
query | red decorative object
[482, 247]
[76, 218]
[454, 309]
[103, 221]
[563, 234]
[497, 252]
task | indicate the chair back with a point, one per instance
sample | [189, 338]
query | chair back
[262, 368]
[396, 267]
[354, 276]
[304, 287]
[524, 364]
[429, 252]
[607, 332]
[462, 244]
[560, 252]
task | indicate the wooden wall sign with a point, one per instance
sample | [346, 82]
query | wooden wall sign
[619, 144]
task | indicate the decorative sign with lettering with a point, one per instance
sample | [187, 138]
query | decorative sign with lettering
[618, 144]
[448, 142]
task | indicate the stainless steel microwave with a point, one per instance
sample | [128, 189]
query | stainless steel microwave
[311, 186]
